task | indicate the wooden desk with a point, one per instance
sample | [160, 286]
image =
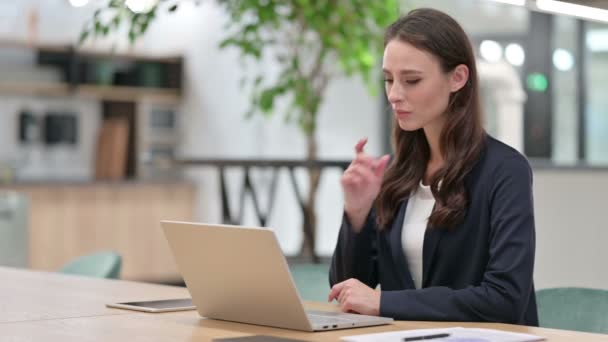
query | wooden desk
[35, 296]
[51, 307]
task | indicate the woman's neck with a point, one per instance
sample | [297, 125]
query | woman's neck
[436, 159]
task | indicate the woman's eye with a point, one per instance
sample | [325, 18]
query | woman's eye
[387, 80]
[413, 81]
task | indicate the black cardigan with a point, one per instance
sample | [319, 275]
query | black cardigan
[479, 271]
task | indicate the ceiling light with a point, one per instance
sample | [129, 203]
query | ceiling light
[567, 8]
[563, 59]
[490, 50]
[512, 2]
[78, 3]
[515, 54]
[141, 6]
[597, 40]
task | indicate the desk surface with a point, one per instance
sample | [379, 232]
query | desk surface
[54, 307]
[35, 296]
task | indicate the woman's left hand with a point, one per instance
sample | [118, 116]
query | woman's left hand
[354, 296]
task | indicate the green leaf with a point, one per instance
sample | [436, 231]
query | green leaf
[258, 80]
[116, 21]
[250, 113]
[135, 18]
[98, 27]
[226, 42]
[132, 36]
[83, 36]
[267, 100]
[366, 59]
[173, 8]
[250, 28]
[115, 4]
[144, 27]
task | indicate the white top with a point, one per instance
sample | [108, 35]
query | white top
[419, 208]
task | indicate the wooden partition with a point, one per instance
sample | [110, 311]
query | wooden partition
[69, 220]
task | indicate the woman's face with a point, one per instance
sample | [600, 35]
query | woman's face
[416, 86]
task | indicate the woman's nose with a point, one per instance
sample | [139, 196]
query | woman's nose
[395, 93]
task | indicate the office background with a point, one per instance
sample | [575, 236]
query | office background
[556, 112]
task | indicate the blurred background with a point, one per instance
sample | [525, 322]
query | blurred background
[100, 141]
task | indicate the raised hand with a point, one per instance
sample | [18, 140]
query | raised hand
[361, 184]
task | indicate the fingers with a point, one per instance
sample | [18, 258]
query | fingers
[365, 170]
[364, 159]
[367, 160]
[345, 293]
[345, 306]
[335, 291]
[348, 301]
[359, 172]
[348, 307]
[381, 165]
[349, 180]
[360, 144]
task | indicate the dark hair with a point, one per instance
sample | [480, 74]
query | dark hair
[462, 137]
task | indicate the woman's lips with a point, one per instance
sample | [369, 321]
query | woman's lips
[402, 113]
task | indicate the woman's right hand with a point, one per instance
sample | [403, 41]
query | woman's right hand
[361, 184]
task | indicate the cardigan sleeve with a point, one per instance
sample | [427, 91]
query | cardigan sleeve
[355, 255]
[503, 293]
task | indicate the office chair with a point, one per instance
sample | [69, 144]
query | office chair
[573, 308]
[14, 231]
[311, 280]
[99, 265]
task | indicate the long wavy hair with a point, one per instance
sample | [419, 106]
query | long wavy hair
[462, 137]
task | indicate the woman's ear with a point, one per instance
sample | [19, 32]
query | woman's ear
[459, 77]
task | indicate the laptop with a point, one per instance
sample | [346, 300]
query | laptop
[240, 274]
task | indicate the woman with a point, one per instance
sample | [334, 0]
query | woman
[447, 229]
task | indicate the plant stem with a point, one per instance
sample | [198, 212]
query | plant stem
[310, 216]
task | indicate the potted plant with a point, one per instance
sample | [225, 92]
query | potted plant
[311, 37]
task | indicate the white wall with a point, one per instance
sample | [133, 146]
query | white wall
[571, 228]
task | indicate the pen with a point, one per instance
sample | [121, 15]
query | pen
[426, 337]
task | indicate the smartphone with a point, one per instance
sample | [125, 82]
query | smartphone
[164, 305]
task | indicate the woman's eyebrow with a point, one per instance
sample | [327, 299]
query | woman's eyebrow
[405, 71]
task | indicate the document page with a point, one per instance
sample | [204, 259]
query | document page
[456, 334]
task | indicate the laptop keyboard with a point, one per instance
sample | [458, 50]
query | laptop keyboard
[324, 320]
[323, 317]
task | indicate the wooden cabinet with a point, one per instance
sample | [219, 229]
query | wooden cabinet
[69, 220]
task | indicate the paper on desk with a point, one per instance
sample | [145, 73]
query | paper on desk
[457, 334]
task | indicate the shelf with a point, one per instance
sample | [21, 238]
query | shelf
[19, 44]
[111, 93]
[88, 52]
[125, 93]
[125, 56]
[162, 73]
[35, 89]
